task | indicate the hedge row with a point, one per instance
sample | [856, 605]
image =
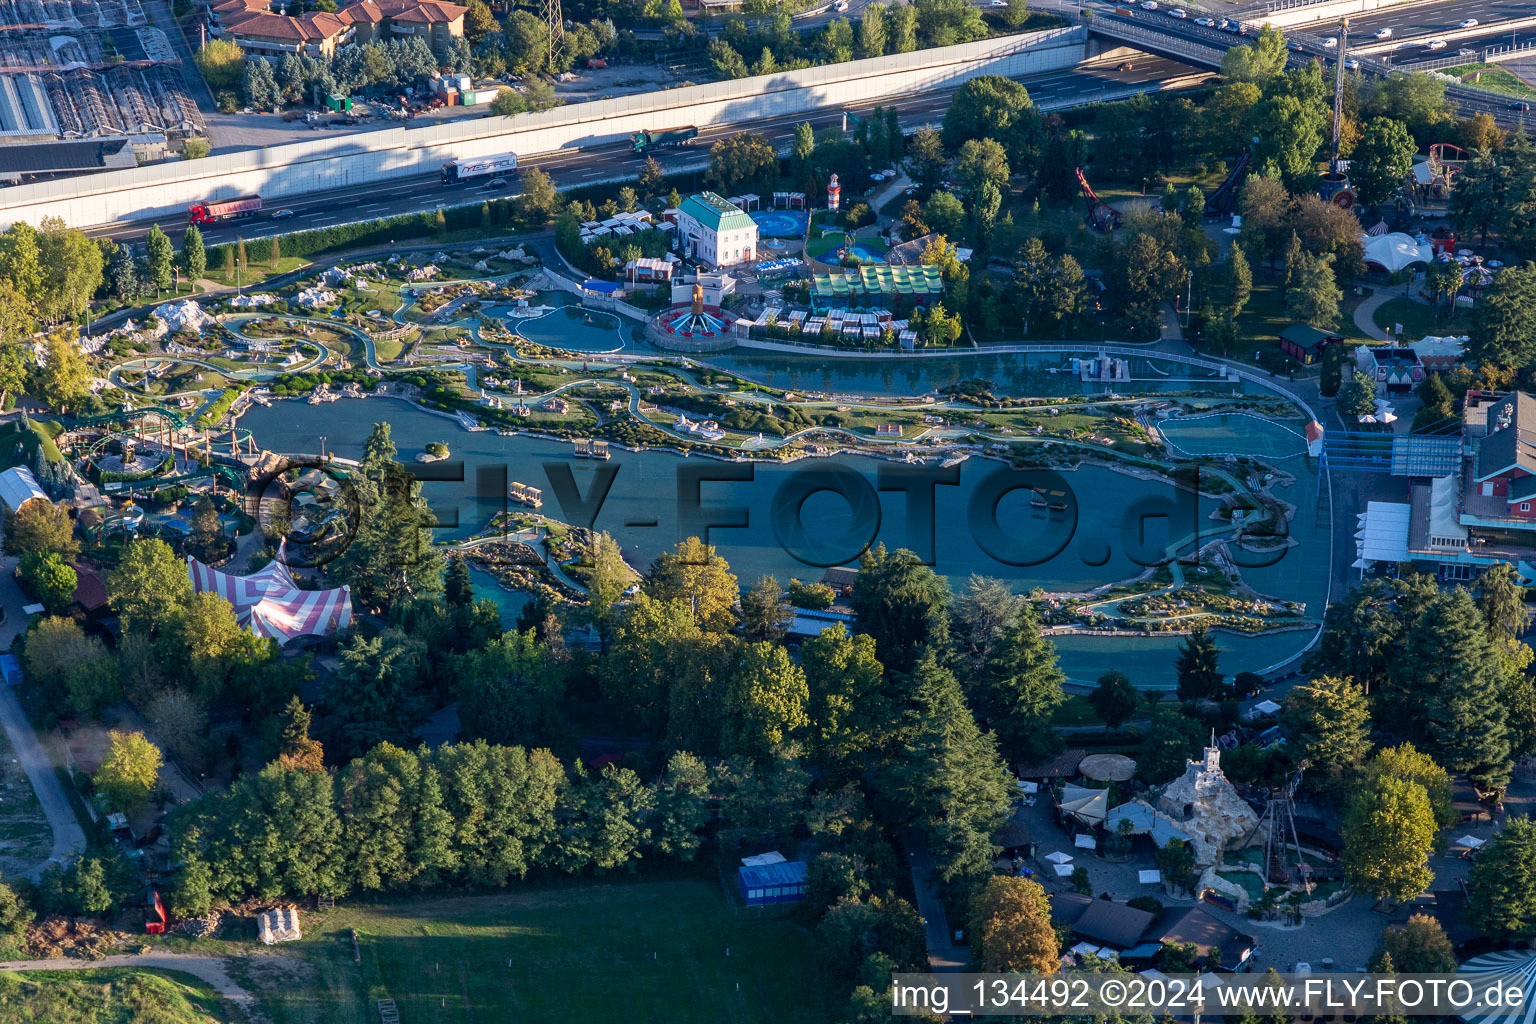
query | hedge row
[306, 244]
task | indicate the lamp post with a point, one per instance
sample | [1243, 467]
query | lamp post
[1189, 294]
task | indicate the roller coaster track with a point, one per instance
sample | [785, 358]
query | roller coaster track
[128, 415]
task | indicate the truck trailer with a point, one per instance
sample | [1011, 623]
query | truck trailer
[478, 167]
[224, 209]
[647, 141]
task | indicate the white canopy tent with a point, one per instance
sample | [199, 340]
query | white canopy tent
[1395, 250]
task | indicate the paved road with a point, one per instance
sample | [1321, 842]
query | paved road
[211, 969]
[571, 169]
[68, 837]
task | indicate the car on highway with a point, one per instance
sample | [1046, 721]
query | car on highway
[496, 183]
[1520, 105]
[1293, 46]
[282, 214]
[1468, 23]
[1124, 66]
[1149, 5]
[1331, 42]
[1436, 44]
[1383, 33]
[1234, 27]
[1204, 22]
[1466, 51]
[840, 6]
[1177, 12]
[997, 3]
[1352, 64]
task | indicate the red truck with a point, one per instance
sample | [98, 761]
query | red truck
[224, 209]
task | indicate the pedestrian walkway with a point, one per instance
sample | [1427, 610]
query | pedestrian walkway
[1365, 313]
[943, 954]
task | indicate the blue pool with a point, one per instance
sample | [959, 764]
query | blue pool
[781, 223]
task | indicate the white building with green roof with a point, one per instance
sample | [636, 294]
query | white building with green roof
[715, 231]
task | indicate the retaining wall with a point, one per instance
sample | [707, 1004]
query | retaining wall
[167, 189]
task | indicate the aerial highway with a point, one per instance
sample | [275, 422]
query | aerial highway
[573, 168]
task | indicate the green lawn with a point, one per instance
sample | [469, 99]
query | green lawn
[109, 996]
[589, 951]
[1419, 319]
[1494, 79]
[1076, 711]
[388, 350]
[1265, 316]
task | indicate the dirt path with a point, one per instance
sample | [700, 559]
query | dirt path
[210, 969]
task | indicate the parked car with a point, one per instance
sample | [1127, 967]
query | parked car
[1383, 33]
[1468, 23]
[1435, 44]
[496, 183]
[1177, 12]
[282, 214]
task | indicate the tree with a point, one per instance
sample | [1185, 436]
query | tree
[944, 213]
[1176, 860]
[850, 714]
[682, 807]
[1265, 207]
[694, 572]
[993, 107]
[160, 256]
[981, 615]
[1259, 61]
[72, 269]
[903, 604]
[508, 102]
[1417, 101]
[743, 159]
[260, 86]
[1388, 832]
[1379, 165]
[149, 586]
[128, 772]
[765, 701]
[1448, 676]
[951, 783]
[508, 691]
[1010, 927]
[49, 579]
[296, 749]
[1420, 946]
[478, 21]
[925, 158]
[63, 381]
[206, 639]
[872, 34]
[1294, 112]
[764, 613]
[1480, 199]
[458, 589]
[1357, 396]
[1024, 687]
[1239, 280]
[41, 527]
[15, 915]
[1501, 600]
[725, 62]
[1405, 762]
[982, 162]
[194, 259]
[1315, 296]
[179, 722]
[74, 669]
[1170, 741]
[1114, 699]
[390, 556]
[1197, 665]
[539, 199]
[1504, 321]
[1015, 14]
[222, 63]
[1501, 896]
[1329, 725]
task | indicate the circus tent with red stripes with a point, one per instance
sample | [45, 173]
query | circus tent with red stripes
[270, 603]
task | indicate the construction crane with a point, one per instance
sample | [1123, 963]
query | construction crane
[1335, 185]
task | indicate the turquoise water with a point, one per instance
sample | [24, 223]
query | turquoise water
[864, 255]
[643, 513]
[1234, 433]
[574, 328]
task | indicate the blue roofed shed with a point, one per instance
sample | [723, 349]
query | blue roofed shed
[772, 883]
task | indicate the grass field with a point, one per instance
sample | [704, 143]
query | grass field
[1494, 79]
[589, 951]
[1418, 319]
[108, 996]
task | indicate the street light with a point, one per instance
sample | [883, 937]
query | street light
[1189, 292]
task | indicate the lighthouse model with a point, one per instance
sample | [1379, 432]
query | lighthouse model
[834, 194]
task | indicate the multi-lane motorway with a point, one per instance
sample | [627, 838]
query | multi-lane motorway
[603, 163]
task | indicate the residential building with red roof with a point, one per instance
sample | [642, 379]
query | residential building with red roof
[261, 33]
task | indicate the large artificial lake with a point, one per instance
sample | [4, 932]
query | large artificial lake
[645, 513]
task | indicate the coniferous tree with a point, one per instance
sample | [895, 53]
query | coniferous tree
[1024, 688]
